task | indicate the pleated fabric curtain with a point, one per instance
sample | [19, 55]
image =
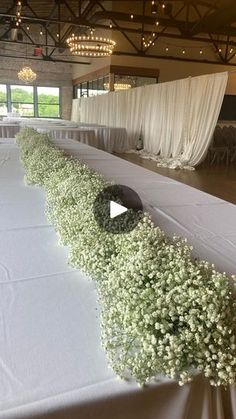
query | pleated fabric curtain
[204, 101]
[116, 109]
[163, 116]
[177, 119]
[75, 113]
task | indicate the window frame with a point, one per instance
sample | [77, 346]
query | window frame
[12, 102]
[52, 104]
[4, 102]
[35, 102]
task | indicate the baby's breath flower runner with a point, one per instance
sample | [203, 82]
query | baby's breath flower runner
[162, 312]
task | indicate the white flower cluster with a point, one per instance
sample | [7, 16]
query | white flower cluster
[162, 312]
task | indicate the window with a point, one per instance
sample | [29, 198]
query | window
[30, 101]
[22, 100]
[79, 91]
[48, 102]
[84, 90]
[3, 99]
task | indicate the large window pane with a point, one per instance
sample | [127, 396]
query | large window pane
[22, 100]
[3, 99]
[22, 94]
[48, 102]
[48, 111]
[24, 109]
[3, 93]
[48, 95]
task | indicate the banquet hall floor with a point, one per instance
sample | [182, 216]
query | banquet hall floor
[219, 181]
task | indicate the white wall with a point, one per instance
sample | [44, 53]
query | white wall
[80, 70]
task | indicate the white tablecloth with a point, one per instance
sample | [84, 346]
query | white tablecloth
[51, 361]
[111, 139]
[8, 130]
[84, 135]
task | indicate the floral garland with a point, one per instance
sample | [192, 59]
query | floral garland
[162, 312]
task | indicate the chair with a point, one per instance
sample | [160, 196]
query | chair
[232, 143]
[219, 150]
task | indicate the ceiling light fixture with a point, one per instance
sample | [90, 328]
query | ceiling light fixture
[90, 46]
[118, 86]
[18, 13]
[27, 75]
[154, 8]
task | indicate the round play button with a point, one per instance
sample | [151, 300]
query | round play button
[118, 209]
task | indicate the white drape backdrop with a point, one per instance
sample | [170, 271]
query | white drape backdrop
[163, 117]
[119, 109]
[204, 100]
[177, 119]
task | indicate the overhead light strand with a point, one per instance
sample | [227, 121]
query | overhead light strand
[18, 13]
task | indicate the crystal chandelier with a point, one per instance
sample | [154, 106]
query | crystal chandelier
[90, 46]
[118, 86]
[27, 75]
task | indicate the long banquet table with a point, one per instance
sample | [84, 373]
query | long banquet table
[51, 361]
[111, 139]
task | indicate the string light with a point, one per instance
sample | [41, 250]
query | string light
[167, 49]
[110, 25]
[220, 50]
[154, 8]
[231, 50]
[201, 51]
[163, 6]
[41, 31]
[27, 27]
[90, 46]
[183, 51]
[18, 13]
[150, 41]
[131, 16]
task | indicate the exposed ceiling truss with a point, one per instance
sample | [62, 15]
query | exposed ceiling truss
[209, 22]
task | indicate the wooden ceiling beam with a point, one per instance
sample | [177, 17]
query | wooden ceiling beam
[222, 17]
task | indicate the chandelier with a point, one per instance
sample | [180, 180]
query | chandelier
[27, 75]
[90, 46]
[118, 86]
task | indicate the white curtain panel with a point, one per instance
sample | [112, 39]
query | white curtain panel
[118, 109]
[164, 113]
[177, 119]
[204, 101]
[75, 113]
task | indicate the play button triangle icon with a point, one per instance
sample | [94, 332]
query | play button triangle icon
[116, 209]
